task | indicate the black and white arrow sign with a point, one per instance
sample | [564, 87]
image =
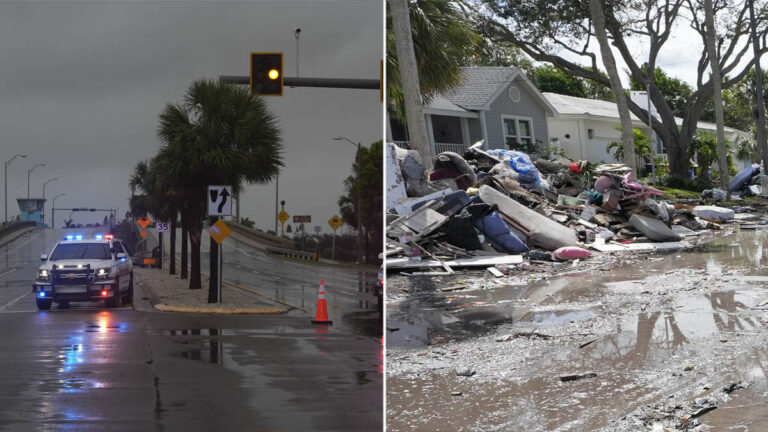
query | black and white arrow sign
[219, 201]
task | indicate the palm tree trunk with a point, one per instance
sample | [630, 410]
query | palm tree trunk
[184, 238]
[627, 134]
[195, 230]
[172, 251]
[213, 266]
[409, 74]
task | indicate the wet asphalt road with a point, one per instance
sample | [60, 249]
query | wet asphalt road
[91, 368]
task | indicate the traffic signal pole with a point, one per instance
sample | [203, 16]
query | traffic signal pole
[350, 83]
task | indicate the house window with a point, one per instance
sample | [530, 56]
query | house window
[518, 133]
[447, 129]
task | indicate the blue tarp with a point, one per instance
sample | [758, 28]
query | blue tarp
[520, 162]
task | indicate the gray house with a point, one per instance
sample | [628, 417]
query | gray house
[495, 104]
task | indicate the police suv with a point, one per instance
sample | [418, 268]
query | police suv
[79, 269]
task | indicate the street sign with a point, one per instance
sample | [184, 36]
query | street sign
[143, 234]
[318, 228]
[302, 219]
[162, 226]
[143, 221]
[335, 222]
[219, 202]
[283, 216]
[219, 231]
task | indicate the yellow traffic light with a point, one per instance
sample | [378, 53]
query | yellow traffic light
[267, 73]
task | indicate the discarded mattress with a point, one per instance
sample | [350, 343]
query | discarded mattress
[497, 232]
[653, 228]
[739, 180]
[714, 213]
[571, 252]
[477, 261]
[541, 231]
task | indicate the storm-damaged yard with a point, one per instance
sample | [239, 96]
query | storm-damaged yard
[634, 334]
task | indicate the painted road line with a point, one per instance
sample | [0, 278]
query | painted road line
[14, 301]
[8, 272]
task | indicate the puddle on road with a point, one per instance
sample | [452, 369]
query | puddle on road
[430, 315]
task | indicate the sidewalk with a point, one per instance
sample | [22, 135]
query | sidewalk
[172, 294]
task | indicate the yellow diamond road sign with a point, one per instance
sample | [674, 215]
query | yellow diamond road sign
[335, 222]
[283, 216]
[219, 231]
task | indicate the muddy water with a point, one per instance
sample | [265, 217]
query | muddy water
[653, 328]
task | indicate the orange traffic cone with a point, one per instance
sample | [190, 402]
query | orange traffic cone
[321, 315]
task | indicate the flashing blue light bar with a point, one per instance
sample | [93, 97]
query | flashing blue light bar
[42, 293]
[70, 237]
[99, 236]
[78, 237]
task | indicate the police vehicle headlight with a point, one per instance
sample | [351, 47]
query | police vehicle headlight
[104, 273]
[43, 275]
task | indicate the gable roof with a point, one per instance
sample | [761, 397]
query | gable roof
[482, 85]
[572, 106]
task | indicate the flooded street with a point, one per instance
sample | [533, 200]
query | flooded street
[638, 342]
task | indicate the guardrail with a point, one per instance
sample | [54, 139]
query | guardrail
[15, 226]
[292, 253]
[259, 236]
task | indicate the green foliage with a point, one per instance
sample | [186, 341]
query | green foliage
[704, 147]
[367, 180]
[443, 38]
[247, 222]
[676, 92]
[527, 147]
[548, 78]
[642, 145]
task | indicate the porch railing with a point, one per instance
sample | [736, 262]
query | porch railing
[445, 147]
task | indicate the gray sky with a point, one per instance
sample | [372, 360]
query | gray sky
[82, 84]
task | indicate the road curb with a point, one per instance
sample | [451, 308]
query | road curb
[14, 235]
[220, 311]
[158, 305]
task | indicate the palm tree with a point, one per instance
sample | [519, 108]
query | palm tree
[443, 40]
[220, 134]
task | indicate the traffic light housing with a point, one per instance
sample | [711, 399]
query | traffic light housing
[267, 73]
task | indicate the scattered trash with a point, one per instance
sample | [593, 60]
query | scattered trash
[576, 376]
[467, 372]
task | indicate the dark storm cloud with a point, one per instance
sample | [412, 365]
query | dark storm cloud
[82, 83]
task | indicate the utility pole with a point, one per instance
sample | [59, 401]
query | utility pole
[8, 162]
[360, 253]
[760, 100]
[714, 64]
[409, 75]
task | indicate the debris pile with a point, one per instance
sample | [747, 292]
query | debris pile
[747, 183]
[494, 208]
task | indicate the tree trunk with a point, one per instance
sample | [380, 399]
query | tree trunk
[627, 134]
[213, 267]
[714, 64]
[409, 75]
[172, 250]
[184, 239]
[195, 229]
[759, 110]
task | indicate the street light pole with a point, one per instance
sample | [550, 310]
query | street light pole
[53, 211]
[357, 198]
[6, 183]
[29, 171]
[42, 216]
